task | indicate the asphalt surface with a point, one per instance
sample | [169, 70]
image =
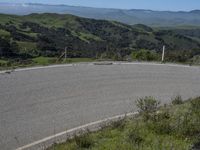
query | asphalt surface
[38, 103]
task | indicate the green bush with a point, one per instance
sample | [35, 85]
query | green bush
[84, 140]
[147, 107]
[177, 100]
[195, 105]
[3, 63]
[160, 123]
[119, 124]
[145, 55]
[134, 137]
[188, 122]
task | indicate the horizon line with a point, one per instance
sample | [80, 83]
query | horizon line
[48, 4]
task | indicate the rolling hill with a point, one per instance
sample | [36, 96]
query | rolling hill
[48, 34]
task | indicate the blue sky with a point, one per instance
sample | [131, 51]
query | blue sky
[126, 4]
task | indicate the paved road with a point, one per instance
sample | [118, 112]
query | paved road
[34, 102]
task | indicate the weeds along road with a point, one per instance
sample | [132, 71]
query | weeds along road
[37, 103]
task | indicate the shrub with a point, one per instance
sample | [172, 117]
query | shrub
[134, 137]
[195, 105]
[84, 141]
[145, 55]
[189, 121]
[161, 122]
[177, 100]
[3, 63]
[147, 107]
[119, 124]
[186, 125]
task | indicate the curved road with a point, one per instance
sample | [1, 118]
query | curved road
[37, 103]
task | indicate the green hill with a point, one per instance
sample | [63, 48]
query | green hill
[48, 34]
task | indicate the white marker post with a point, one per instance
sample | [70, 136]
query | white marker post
[65, 54]
[163, 54]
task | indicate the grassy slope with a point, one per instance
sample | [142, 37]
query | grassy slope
[74, 24]
[176, 127]
[44, 20]
[50, 21]
[53, 60]
[39, 61]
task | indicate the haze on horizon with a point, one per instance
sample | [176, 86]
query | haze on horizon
[171, 5]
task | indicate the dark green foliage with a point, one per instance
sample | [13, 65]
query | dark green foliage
[157, 121]
[195, 105]
[143, 27]
[84, 141]
[120, 124]
[181, 56]
[177, 100]
[145, 55]
[134, 137]
[189, 32]
[160, 123]
[144, 43]
[5, 48]
[8, 48]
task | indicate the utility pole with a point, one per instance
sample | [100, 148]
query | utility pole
[65, 54]
[163, 54]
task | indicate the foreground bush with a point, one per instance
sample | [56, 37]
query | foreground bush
[83, 141]
[177, 100]
[147, 107]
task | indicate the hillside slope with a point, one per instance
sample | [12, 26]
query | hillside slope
[48, 35]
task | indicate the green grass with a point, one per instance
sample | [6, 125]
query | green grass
[86, 37]
[44, 60]
[29, 33]
[38, 61]
[53, 60]
[6, 64]
[3, 63]
[26, 47]
[174, 127]
[55, 19]
[77, 60]
[4, 33]
[9, 19]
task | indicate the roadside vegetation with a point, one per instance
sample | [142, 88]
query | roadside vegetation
[171, 127]
[38, 61]
[136, 55]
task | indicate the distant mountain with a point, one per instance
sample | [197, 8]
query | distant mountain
[131, 17]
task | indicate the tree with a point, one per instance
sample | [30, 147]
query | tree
[5, 48]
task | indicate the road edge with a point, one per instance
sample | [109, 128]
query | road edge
[111, 63]
[63, 136]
